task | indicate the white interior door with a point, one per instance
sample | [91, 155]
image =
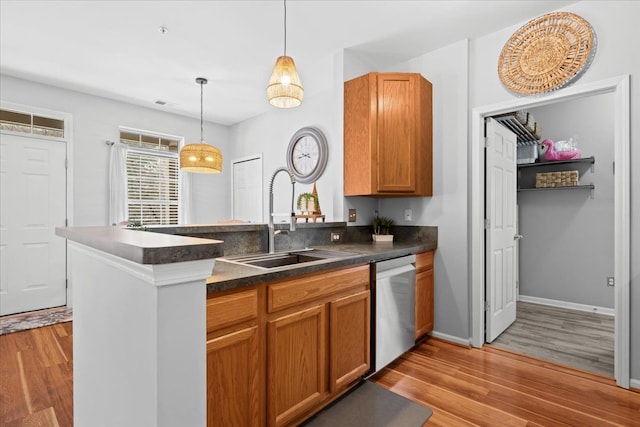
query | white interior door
[33, 203]
[246, 190]
[501, 234]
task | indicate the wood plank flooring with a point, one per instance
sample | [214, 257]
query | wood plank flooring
[492, 387]
[574, 338]
[463, 386]
[36, 377]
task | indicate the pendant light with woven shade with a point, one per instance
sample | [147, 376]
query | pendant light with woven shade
[285, 88]
[201, 157]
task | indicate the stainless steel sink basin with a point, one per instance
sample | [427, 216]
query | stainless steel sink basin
[281, 259]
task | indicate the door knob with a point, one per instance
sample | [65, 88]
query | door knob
[518, 237]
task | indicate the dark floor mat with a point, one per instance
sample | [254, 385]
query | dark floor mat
[370, 405]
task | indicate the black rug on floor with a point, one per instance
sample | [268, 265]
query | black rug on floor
[370, 405]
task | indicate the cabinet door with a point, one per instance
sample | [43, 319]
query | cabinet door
[349, 326]
[296, 347]
[360, 112]
[233, 386]
[397, 133]
[424, 302]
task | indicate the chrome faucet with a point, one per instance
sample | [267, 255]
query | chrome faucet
[292, 225]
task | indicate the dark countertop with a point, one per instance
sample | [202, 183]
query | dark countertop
[228, 275]
[143, 247]
[147, 247]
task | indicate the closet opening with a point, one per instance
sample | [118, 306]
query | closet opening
[564, 233]
[619, 88]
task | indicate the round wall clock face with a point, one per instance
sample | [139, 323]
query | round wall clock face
[307, 155]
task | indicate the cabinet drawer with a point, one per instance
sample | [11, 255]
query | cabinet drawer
[232, 308]
[424, 260]
[292, 292]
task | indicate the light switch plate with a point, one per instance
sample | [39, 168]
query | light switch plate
[408, 215]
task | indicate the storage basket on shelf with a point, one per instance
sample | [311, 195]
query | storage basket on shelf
[527, 153]
[557, 179]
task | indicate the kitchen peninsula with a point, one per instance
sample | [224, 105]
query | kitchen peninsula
[140, 311]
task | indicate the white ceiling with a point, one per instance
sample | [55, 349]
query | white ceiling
[115, 49]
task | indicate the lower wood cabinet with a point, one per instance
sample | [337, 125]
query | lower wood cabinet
[233, 386]
[279, 352]
[424, 294]
[297, 349]
[350, 334]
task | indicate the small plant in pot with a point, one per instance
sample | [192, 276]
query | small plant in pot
[381, 229]
[308, 202]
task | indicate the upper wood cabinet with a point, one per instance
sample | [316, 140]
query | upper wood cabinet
[388, 135]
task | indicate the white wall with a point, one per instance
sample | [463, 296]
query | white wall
[567, 250]
[270, 135]
[616, 26]
[96, 120]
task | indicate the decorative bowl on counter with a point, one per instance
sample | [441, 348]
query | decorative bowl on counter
[379, 238]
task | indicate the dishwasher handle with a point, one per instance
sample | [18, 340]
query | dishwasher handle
[395, 271]
[394, 262]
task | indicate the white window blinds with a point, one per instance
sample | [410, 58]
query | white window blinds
[153, 195]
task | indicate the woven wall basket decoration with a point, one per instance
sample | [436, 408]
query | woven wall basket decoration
[548, 53]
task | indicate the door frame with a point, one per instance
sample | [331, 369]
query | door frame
[68, 139]
[260, 202]
[619, 86]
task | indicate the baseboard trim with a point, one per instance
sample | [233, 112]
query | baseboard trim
[571, 305]
[451, 338]
[635, 384]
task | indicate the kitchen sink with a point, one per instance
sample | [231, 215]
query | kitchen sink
[281, 259]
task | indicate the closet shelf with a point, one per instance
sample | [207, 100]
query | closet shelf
[575, 187]
[527, 174]
[589, 160]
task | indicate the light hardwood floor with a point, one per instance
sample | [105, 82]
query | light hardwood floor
[463, 386]
[36, 377]
[574, 338]
[493, 387]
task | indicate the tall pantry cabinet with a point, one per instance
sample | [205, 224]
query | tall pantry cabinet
[388, 135]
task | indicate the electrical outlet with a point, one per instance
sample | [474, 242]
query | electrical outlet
[611, 281]
[352, 215]
[408, 215]
[335, 237]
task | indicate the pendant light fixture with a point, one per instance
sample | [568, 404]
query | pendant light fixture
[285, 89]
[200, 157]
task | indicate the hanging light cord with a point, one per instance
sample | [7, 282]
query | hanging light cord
[285, 27]
[201, 109]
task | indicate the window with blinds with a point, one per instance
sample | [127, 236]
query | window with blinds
[152, 178]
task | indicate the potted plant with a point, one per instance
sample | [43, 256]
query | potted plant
[381, 229]
[308, 202]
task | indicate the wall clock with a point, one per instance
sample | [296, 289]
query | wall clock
[307, 154]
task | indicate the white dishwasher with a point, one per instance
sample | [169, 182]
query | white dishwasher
[393, 325]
